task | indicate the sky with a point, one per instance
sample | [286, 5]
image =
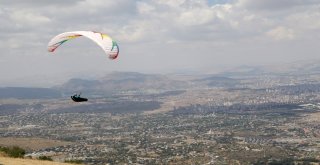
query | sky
[154, 36]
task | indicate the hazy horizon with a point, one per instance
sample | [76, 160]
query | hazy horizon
[154, 36]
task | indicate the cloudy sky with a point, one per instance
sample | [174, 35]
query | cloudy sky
[155, 36]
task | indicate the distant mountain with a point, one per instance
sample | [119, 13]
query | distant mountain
[299, 67]
[243, 71]
[115, 82]
[122, 81]
[133, 82]
[293, 68]
[29, 93]
[218, 81]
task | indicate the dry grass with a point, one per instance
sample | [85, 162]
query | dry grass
[31, 143]
[314, 117]
[18, 161]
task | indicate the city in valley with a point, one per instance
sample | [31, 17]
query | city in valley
[133, 118]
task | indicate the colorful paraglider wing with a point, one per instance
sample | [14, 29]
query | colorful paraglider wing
[109, 46]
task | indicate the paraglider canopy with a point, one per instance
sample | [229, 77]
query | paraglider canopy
[109, 46]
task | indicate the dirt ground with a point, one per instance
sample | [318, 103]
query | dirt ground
[31, 143]
[314, 117]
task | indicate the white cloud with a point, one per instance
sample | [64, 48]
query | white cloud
[171, 3]
[196, 17]
[281, 33]
[190, 33]
[38, 3]
[274, 4]
[136, 32]
[305, 20]
[144, 8]
[13, 43]
[222, 10]
[24, 17]
[97, 5]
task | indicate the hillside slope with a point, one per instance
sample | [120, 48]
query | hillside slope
[121, 81]
[18, 161]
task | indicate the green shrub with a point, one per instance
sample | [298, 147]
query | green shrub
[74, 161]
[15, 152]
[45, 158]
